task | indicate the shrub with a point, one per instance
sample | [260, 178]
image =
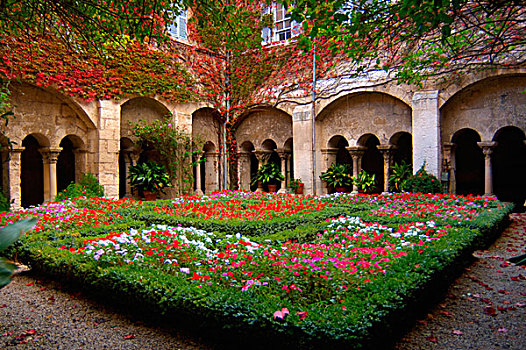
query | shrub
[5, 205]
[88, 186]
[423, 182]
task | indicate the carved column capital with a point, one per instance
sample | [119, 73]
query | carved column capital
[487, 147]
[50, 155]
[356, 151]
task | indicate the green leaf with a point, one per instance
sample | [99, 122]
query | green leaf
[10, 233]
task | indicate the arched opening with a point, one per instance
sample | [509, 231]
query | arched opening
[272, 156]
[126, 148]
[469, 162]
[32, 173]
[65, 164]
[509, 165]
[372, 160]
[403, 152]
[343, 156]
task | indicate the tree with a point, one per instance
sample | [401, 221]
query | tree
[419, 39]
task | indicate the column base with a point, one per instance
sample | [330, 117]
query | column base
[282, 190]
[198, 192]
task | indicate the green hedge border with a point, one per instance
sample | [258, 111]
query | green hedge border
[376, 315]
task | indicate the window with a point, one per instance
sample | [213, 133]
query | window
[284, 28]
[178, 29]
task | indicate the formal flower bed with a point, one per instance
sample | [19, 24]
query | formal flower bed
[343, 283]
[418, 205]
[242, 205]
[348, 254]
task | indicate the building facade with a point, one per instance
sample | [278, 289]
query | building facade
[471, 133]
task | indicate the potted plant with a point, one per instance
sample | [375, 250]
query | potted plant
[364, 181]
[269, 174]
[149, 178]
[338, 176]
[296, 186]
[400, 173]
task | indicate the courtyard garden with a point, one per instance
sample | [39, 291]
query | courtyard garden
[345, 270]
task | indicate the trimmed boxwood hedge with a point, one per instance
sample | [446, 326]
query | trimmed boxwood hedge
[374, 315]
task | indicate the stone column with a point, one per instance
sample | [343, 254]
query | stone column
[107, 146]
[386, 151]
[289, 167]
[15, 171]
[449, 165]
[243, 170]
[198, 191]
[487, 149]
[283, 156]
[356, 153]
[211, 171]
[50, 158]
[426, 131]
[329, 157]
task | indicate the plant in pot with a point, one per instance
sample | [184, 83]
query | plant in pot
[269, 174]
[149, 178]
[364, 181]
[296, 186]
[338, 176]
[400, 173]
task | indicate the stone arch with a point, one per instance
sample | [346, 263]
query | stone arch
[206, 128]
[71, 161]
[403, 147]
[509, 165]
[47, 112]
[469, 162]
[372, 159]
[469, 80]
[32, 170]
[139, 109]
[261, 124]
[339, 144]
[362, 113]
[486, 106]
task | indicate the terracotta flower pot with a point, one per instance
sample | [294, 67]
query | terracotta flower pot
[341, 189]
[272, 188]
[149, 196]
[299, 190]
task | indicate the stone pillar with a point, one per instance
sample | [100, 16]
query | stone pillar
[198, 191]
[243, 170]
[50, 158]
[289, 167]
[107, 148]
[356, 153]
[15, 171]
[386, 151]
[449, 165]
[211, 171]
[328, 158]
[487, 149]
[283, 156]
[80, 162]
[426, 131]
[303, 147]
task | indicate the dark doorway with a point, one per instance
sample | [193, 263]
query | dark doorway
[373, 162]
[469, 163]
[65, 165]
[32, 173]
[404, 149]
[509, 166]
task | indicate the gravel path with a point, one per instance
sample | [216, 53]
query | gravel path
[483, 309]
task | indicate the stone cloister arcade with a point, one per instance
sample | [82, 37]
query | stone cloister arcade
[474, 132]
